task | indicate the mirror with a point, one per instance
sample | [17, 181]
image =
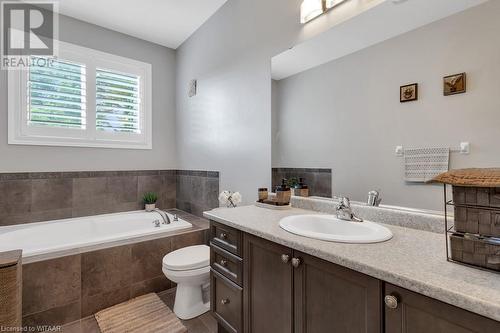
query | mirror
[352, 107]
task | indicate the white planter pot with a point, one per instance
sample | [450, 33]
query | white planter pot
[150, 207]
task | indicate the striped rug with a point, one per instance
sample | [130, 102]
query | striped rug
[144, 314]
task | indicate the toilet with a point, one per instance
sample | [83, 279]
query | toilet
[189, 267]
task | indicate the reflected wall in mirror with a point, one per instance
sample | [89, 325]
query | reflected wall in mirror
[345, 114]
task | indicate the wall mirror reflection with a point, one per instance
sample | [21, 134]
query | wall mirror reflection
[387, 108]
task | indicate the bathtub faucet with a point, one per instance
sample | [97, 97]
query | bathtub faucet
[164, 216]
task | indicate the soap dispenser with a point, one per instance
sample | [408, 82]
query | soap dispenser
[283, 193]
[301, 189]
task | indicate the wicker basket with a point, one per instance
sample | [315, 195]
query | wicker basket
[475, 250]
[10, 290]
[475, 220]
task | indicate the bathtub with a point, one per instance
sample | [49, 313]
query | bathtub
[51, 239]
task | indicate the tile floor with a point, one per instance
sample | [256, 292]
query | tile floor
[205, 323]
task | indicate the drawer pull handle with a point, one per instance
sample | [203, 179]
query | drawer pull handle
[285, 258]
[296, 262]
[224, 301]
[223, 235]
[391, 301]
[223, 262]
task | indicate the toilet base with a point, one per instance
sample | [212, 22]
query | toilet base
[189, 302]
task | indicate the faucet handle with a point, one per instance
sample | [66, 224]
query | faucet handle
[344, 202]
[156, 223]
[176, 218]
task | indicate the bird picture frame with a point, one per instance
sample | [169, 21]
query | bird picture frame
[408, 93]
[454, 84]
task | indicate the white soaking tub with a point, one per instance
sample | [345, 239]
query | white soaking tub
[52, 239]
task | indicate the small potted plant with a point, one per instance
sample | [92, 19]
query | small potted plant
[149, 200]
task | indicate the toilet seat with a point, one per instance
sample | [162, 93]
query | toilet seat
[188, 258]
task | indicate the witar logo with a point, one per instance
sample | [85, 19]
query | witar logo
[28, 29]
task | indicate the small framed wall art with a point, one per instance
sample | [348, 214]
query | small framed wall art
[454, 84]
[408, 93]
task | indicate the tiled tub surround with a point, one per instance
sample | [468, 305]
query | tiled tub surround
[318, 180]
[65, 289]
[412, 259]
[42, 196]
[197, 191]
[54, 239]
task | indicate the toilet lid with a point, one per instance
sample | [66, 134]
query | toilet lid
[191, 257]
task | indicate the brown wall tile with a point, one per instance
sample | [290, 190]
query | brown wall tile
[41, 196]
[51, 283]
[15, 197]
[56, 316]
[90, 193]
[122, 189]
[51, 194]
[98, 302]
[147, 258]
[106, 270]
[188, 239]
[155, 285]
[318, 180]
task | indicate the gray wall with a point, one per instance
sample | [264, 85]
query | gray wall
[346, 114]
[16, 158]
[227, 126]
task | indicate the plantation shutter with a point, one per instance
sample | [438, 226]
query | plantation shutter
[56, 94]
[117, 102]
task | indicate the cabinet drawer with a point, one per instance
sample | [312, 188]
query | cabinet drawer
[228, 238]
[226, 302]
[226, 263]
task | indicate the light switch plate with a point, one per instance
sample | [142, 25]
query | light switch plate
[192, 88]
[399, 151]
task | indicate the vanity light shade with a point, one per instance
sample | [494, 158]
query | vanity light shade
[332, 3]
[310, 9]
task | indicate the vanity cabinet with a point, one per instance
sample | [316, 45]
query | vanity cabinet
[258, 286]
[409, 312]
[267, 286]
[332, 298]
[289, 291]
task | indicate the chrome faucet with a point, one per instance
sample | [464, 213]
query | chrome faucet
[344, 211]
[164, 216]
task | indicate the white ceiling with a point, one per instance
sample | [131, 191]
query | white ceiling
[165, 22]
[375, 24]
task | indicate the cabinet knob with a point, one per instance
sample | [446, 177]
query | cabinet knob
[285, 258]
[224, 301]
[296, 262]
[223, 262]
[391, 301]
[223, 235]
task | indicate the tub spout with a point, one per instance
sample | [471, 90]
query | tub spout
[164, 216]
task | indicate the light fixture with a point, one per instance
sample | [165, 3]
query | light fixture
[332, 3]
[310, 9]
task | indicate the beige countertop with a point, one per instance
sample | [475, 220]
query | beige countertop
[412, 259]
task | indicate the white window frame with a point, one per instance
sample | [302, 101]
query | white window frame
[19, 133]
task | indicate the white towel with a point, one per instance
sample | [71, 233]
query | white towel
[423, 164]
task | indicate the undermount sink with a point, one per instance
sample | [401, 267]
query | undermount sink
[330, 228]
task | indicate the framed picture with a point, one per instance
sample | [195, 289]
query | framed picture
[454, 84]
[408, 93]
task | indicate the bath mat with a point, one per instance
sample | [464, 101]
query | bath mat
[144, 314]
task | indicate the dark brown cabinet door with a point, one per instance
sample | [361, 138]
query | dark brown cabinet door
[331, 298]
[410, 312]
[267, 285]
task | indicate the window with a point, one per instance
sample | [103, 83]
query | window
[83, 98]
